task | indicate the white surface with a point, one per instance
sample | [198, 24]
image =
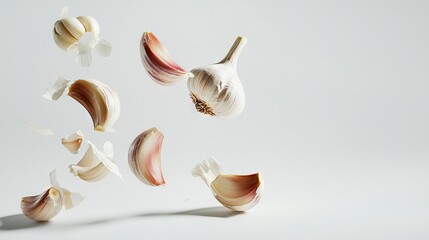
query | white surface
[336, 119]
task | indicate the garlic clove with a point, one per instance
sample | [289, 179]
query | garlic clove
[72, 142]
[82, 34]
[158, 62]
[48, 204]
[237, 192]
[101, 102]
[144, 157]
[57, 89]
[216, 89]
[95, 165]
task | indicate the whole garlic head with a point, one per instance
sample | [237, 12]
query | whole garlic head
[216, 89]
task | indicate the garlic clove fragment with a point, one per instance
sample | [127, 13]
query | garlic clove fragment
[216, 89]
[101, 102]
[236, 192]
[144, 157]
[80, 33]
[95, 165]
[158, 62]
[72, 142]
[48, 204]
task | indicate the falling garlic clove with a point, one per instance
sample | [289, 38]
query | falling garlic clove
[101, 102]
[72, 142]
[95, 165]
[144, 157]
[80, 33]
[48, 204]
[216, 89]
[158, 62]
[236, 192]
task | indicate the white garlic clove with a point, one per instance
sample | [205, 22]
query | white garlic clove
[80, 33]
[237, 192]
[95, 165]
[158, 62]
[48, 204]
[216, 89]
[144, 157]
[101, 102]
[57, 89]
[72, 142]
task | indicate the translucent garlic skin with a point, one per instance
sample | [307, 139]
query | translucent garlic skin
[236, 192]
[216, 89]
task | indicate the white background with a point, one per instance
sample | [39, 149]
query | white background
[336, 119]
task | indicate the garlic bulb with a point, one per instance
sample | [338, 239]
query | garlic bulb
[237, 192]
[48, 204]
[81, 33]
[101, 102]
[144, 157]
[72, 142]
[158, 62]
[216, 89]
[95, 165]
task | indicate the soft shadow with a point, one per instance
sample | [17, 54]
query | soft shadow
[216, 212]
[18, 221]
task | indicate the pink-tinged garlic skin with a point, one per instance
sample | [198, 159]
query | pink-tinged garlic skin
[236, 192]
[42, 207]
[144, 157]
[101, 102]
[158, 62]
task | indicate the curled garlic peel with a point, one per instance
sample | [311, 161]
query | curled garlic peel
[237, 192]
[144, 157]
[95, 164]
[73, 142]
[81, 33]
[158, 62]
[101, 102]
[216, 89]
[48, 204]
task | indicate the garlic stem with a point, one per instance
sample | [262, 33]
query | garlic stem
[235, 51]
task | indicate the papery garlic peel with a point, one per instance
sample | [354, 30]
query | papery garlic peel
[95, 165]
[158, 62]
[81, 33]
[48, 204]
[101, 102]
[237, 192]
[73, 142]
[144, 157]
[216, 89]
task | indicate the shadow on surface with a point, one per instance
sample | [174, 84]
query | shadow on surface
[18, 221]
[217, 212]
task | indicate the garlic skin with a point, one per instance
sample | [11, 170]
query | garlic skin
[236, 192]
[57, 89]
[95, 165]
[72, 142]
[144, 157]
[101, 102]
[80, 33]
[158, 62]
[48, 204]
[216, 89]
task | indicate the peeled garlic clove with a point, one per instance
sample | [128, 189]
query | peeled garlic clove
[95, 165]
[72, 142]
[47, 205]
[90, 24]
[216, 89]
[144, 157]
[101, 102]
[158, 62]
[237, 192]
